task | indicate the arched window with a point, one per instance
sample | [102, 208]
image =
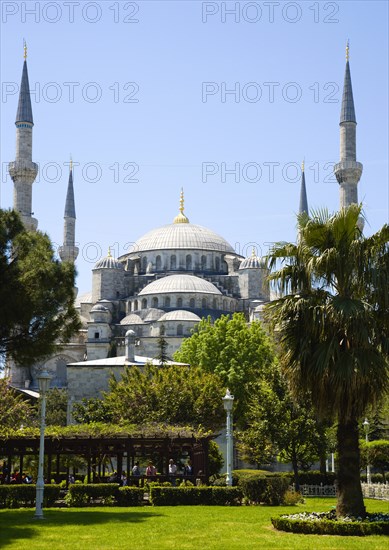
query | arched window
[144, 303]
[217, 264]
[204, 303]
[179, 302]
[136, 305]
[203, 262]
[192, 302]
[214, 303]
[189, 262]
[225, 305]
[162, 330]
[180, 330]
[129, 307]
[144, 264]
[158, 263]
[232, 306]
[167, 301]
[173, 262]
[155, 302]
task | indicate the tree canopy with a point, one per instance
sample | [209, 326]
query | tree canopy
[237, 352]
[36, 293]
[14, 410]
[332, 323]
[176, 395]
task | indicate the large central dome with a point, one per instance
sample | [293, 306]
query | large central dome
[182, 235]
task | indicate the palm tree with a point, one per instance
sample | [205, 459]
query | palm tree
[332, 323]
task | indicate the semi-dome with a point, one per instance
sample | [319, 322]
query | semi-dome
[252, 262]
[180, 315]
[99, 307]
[179, 283]
[108, 262]
[132, 319]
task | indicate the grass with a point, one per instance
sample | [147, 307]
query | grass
[173, 528]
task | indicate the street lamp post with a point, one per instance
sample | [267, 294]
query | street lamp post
[228, 401]
[366, 426]
[44, 384]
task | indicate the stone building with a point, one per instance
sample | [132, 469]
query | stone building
[173, 276]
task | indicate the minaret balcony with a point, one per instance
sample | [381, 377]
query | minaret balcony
[23, 170]
[348, 171]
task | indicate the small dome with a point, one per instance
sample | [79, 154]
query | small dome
[179, 283]
[83, 299]
[108, 262]
[98, 307]
[180, 315]
[153, 314]
[252, 262]
[132, 319]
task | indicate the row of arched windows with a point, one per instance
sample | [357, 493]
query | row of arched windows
[206, 303]
[173, 263]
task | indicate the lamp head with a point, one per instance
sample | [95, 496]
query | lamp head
[228, 401]
[44, 379]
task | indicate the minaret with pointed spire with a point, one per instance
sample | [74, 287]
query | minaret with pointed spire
[69, 252]
[23, 171]
[348, 171]
[303, 207]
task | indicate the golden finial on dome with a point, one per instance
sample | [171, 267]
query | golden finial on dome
[109, 252]
[303, 166]
[71, 163]
[181, 218]
[25, 48]
[348, 50]
[253, 253]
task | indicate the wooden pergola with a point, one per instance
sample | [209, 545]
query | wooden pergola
[124, 449]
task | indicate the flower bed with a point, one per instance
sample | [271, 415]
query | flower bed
[326, 523]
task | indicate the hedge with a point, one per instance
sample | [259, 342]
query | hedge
[208, 496]
[81, 495]
[23, 495]
[130, 496]
[331, 527]
[267, 490]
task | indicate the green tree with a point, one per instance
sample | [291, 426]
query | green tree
[332, 323]
[162, 355]
[92, 410]
[237, 352]
[215, 459]
[36, 293]
[279, 426]
[375, 453]
[172, 394]
[56, 407]
[14, 409]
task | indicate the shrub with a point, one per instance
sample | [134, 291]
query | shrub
[268, 490]
[181, 496]
[375, 478]
[130, 496]
[314, 477]
[79, 495]
[331, 527]
[291, 498]
[16, 496]
[238, 475]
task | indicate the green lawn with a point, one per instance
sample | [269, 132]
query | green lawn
[173, 528]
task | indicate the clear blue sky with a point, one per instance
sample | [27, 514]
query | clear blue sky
[174, 127]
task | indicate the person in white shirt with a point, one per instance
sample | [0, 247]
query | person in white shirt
[172, 472]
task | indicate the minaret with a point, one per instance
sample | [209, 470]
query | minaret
[69, 252]
[303, 207]
[23, 171]
[348, 171]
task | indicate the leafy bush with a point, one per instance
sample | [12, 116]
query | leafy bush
[291, 498]
[16, 496]
[181, 496]
[238, 475]
[268, 490]
[314, 477]
[375, 478]
[130, 496]
[331, 527]
[80, 495]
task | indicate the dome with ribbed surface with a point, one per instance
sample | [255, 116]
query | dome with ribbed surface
[179, 283]
[252, 262]
[108, 262]
[180, 315]
[132, 319]
[182, 235]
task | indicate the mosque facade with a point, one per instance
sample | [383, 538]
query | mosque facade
[173, 276]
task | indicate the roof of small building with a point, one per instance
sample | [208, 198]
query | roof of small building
[99, 307]
[252, 262]
[180, 315]
[179, 283]
[85, 298]
[121, 361]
